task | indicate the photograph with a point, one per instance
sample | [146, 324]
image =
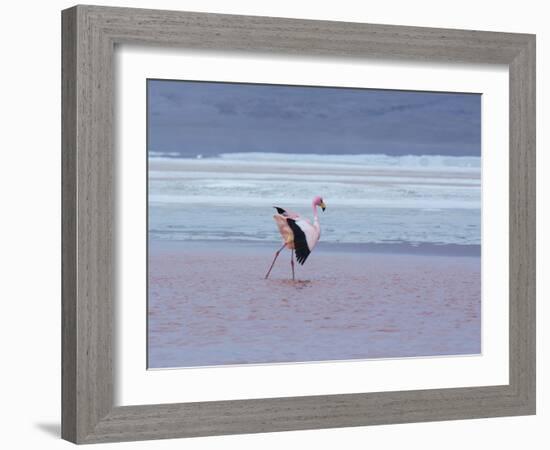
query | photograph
[301, 224]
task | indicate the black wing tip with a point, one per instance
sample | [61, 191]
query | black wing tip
[279, 210]
[301, 258]
[300, 244]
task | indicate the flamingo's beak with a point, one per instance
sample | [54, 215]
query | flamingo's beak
[323, 206]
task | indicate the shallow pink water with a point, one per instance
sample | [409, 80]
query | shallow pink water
[209, 305]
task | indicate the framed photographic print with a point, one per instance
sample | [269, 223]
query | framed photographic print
[279, 224]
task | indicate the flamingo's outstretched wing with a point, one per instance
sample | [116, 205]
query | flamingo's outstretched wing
[305, 238]
[284, 229]
[287, 213]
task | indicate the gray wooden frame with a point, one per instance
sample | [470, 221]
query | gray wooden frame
[89, 36]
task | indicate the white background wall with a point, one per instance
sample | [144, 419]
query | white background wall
[30, 223]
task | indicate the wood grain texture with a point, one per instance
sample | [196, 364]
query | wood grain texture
[89, 36]
[523, 223]
[68, 226]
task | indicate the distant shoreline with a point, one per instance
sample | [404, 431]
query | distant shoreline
[426, 249]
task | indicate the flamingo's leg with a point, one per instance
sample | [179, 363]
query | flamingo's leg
[274, 259]
[292, 262]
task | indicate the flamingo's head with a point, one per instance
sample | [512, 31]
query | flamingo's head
[318, 201]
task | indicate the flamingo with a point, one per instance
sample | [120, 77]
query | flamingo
[298, 233]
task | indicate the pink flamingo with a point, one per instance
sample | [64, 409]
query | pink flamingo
[298, 234]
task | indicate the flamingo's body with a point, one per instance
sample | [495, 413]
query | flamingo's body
[298, 233]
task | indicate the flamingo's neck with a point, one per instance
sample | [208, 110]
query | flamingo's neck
[315, 216]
